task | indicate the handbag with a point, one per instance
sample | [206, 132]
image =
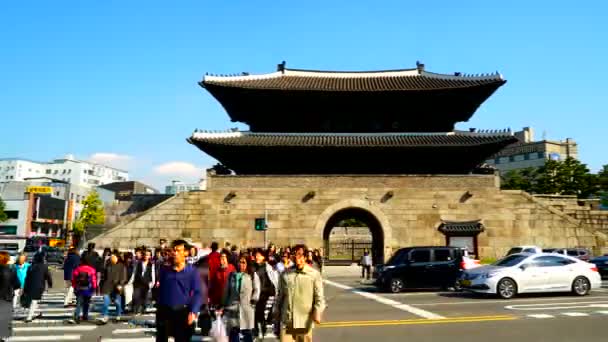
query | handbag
[218, 330]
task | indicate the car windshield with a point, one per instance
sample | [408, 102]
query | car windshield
[511, 260]
[396, 258]
[514, 250]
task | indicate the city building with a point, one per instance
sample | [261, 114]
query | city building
[527, 152]
[124, 191]
[67, 169]
[378, 147]
[177, 187]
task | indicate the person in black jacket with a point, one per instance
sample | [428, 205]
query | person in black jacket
[69, 265]
[8, 284]
[144, 278]
[115, 277]
[37, 275]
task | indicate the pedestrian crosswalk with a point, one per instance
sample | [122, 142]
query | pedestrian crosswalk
[52, 324]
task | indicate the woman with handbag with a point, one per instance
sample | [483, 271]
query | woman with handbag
[240, 297]
[8, 284]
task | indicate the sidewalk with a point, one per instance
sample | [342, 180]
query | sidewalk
[342, 271]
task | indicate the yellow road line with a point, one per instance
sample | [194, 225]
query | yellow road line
[418, 321]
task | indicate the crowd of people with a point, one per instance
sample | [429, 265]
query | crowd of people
[188, 286]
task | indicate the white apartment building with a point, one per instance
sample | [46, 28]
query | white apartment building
[177, 187]
[68, 169]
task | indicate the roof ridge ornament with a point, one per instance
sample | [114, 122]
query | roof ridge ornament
[281, 67]
[420, 67]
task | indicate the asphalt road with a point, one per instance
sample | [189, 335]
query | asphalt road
[357, 312]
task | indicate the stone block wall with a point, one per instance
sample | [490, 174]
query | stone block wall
[409, 209]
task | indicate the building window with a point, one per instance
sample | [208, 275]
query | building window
[57, 193]
[12, 214]
[511, 158]
[56, 172]
[12, 177]
[69, 171]
[8, 230]
[497, 161]
[541, 155]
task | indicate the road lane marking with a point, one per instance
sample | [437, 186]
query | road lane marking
[57, 328]
[557, 306]
[153, 339]
[575, 314]
[134, 331]
[417, 321]
[390, 302]
[44, 338]
[498, 301]
[541, 316]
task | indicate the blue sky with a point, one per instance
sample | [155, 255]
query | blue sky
[116, 81]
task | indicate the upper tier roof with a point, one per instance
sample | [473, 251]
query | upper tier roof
[385, 80]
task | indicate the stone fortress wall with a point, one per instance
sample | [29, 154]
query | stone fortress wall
[409, 208]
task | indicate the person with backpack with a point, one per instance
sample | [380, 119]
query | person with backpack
[240, 296]
[84, 282]
[115, 277]
[69, 265]
[94, 260]
[8, 283]
[37, 275]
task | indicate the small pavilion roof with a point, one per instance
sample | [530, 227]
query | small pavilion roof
[461, 227]
[352, 81]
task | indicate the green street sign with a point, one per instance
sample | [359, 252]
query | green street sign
[260, 223]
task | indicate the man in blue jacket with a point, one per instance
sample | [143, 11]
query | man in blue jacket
[180, 297]
[69, 265]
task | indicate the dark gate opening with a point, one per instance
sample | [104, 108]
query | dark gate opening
[349, 232]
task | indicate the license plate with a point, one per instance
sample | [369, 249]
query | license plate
[465, 282]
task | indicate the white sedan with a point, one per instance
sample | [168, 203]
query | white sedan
[533, 273]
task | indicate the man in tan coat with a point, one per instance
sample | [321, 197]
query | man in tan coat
[300, 301]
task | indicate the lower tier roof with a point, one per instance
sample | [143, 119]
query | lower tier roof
[335, 153]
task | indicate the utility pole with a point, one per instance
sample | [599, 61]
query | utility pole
[265, 228]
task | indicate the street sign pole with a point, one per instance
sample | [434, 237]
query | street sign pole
[265, 228]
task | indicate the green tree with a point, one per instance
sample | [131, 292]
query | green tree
[523, 179]
[92, 213]
[568, 177]
[3, 216]
[602, 180]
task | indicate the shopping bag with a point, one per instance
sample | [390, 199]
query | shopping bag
[218, 330]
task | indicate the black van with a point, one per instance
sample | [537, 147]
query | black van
[421, 267]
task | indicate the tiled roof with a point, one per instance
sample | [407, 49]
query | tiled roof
[351, 140]
[461, 227]
[390, 80]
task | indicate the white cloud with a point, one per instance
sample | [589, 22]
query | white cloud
[120, 161]
[179, 169]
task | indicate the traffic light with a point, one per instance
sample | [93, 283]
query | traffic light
[260, 223]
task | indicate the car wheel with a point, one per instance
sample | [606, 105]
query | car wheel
[581, 286]
[506, 288]
[396, 285]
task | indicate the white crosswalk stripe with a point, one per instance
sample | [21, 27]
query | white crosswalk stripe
[541, 316]
[575, 314]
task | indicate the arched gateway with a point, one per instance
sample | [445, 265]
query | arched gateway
[362, 211]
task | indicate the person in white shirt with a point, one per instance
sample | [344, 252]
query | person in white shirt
[366, 264]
